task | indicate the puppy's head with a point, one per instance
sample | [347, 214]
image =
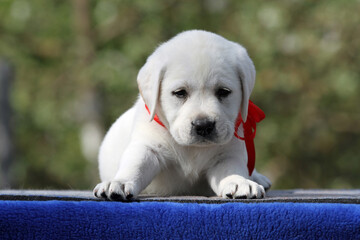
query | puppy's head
[198, 83]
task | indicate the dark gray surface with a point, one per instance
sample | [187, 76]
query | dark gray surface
[296, 195]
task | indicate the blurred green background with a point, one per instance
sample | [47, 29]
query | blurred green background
[75, 65]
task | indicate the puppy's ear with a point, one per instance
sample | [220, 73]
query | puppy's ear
[149, 80]
[246, 71]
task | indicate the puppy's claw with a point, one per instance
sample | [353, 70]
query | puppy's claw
[229, 195]
[100, 190]
[115, 197]
[241, 197]
[129, 196]
[103, 195]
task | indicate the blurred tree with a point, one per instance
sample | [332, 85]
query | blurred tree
[77, 63]
[6, 143]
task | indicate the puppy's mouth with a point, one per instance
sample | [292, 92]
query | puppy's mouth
[203, 133]
[203, 143]
[198, 141]
[207, 140]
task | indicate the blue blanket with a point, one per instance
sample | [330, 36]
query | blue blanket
[167, 220]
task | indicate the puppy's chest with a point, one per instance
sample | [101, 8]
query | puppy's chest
[191, 163]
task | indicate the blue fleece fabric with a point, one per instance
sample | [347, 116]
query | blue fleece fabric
[166, 220]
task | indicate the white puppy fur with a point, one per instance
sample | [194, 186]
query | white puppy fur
[196, 83]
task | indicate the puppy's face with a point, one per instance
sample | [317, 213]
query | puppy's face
[200, 99]
[197, 83]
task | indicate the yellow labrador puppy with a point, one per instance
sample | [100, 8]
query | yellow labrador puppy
[195, 85]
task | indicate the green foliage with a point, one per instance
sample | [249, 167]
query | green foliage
[306, 54]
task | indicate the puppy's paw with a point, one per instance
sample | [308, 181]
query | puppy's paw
[237, 187]
[261, 179]
[114, 191]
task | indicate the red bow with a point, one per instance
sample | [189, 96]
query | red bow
[255, 115]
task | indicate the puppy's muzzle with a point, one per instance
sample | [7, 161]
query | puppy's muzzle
[203, 127]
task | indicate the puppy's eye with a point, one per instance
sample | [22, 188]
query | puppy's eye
[222, 93]
[180, 93]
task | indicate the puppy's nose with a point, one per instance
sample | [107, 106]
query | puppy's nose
[203, 126]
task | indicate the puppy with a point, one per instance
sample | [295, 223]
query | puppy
[194, 86]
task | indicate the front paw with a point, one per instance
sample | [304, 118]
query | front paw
[237, 187]
[114, 191]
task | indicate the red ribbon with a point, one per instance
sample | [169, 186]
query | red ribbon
[156, 118]
[255, 115]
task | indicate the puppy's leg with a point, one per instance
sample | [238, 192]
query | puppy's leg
[139, 165]
[228, 180]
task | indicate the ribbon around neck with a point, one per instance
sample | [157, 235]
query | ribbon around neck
[156, 117]
[255, 115]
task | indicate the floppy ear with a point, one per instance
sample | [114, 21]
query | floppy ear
[149, 81]
[246, 71]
